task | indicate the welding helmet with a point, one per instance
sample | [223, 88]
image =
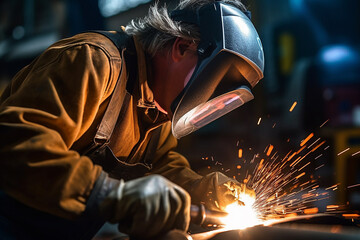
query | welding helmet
[230, 64]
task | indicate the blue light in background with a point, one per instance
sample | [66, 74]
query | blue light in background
[338, 53]
[297, 5]
[340, 64]
[110, 8]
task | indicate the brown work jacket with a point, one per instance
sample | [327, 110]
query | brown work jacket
[50, 112]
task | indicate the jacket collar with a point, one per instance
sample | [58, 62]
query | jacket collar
[145, 98]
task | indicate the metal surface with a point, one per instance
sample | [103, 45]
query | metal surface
[202, 216]
[320, 227]
[275, 233]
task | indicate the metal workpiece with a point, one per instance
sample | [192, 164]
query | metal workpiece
[277, 232]
[317, 226]
[176, 235]
[171, 235]
[201, 216]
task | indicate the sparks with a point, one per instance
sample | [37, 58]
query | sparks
[313, 143]
[300, 175]
[306, 139]
[324, 123]
[343, 151]
[355, 153]
[355, 185]
[311, 210]
[351, 215]
[258, 123]
[283, 189]
[240, 153]
[334, 186]
[293, 106]
[317, 146]
[271, 147]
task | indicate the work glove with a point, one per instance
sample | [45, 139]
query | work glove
[147, 206]
[216, 191]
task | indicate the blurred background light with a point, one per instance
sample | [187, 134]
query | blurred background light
[110, 8]
[338, 53]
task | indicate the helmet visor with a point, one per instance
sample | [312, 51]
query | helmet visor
[211, 110]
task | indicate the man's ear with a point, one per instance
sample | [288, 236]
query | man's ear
[179, 48]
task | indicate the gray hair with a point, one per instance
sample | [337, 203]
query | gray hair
[157, 31]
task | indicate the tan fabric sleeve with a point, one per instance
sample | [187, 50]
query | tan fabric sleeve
[172, 164]
[47, 107]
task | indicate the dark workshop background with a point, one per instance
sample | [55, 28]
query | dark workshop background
[312, 52]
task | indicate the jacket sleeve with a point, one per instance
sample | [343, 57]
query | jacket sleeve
[44, 110]
[172, 164]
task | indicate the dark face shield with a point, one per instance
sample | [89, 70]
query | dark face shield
[231, 62]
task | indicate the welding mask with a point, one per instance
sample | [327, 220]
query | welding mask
[230, 64]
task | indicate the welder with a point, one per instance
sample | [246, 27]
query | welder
[88, 129]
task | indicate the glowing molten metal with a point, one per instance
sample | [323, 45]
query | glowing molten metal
[241, 217]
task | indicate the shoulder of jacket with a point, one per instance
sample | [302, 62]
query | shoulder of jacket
[93, 39]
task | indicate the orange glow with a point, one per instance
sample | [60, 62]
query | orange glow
[311, 210]
[335, 229]
[293, 106]
[271, 147]
[286, 160]
[307, 195]
[317, 146]
[292, 155]
[240, 153]
[300, 150]
[300, 175]
[351, 215]
[295, 162]
[241, 217]
[304, 183]
[286, 155]
[261, 164]
[271, 198]
[306, 139]
[304, 166]
[238, 166]
[291, 215]
[332, 206]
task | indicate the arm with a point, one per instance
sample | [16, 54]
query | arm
[45, 109]
[172, 164]
[215, 190]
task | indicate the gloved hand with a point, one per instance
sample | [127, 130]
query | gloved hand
[216, 191]
[147, 206]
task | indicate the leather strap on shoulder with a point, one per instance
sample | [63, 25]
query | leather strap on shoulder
[121, 41]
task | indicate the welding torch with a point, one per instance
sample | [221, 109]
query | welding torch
[201, 216]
